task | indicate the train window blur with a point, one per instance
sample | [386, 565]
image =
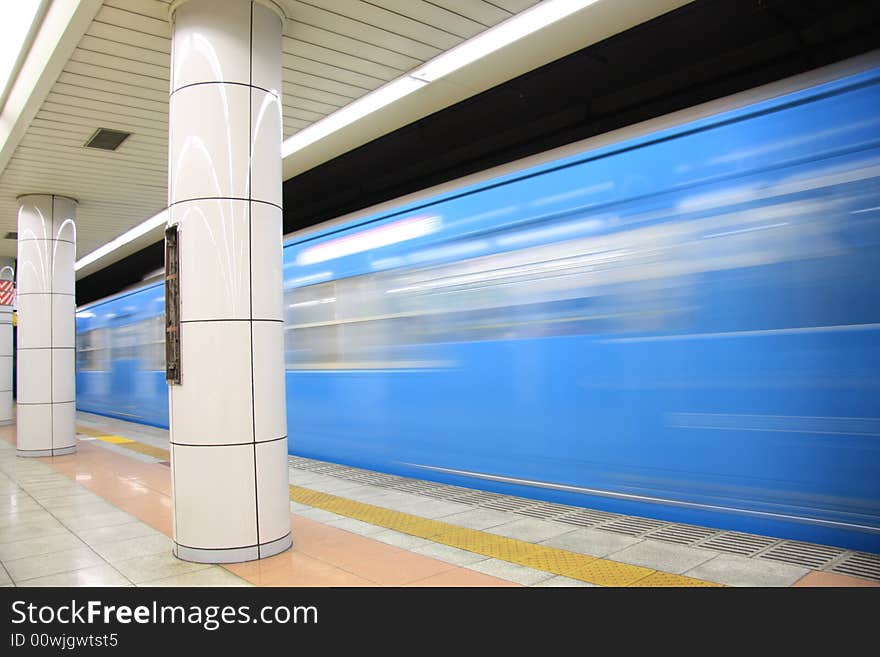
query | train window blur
[633, 277]
[153, 351]
[338, 325]
[92, 350]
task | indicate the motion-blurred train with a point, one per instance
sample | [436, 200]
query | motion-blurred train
[678, 320]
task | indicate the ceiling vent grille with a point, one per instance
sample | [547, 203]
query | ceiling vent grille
[107, 140]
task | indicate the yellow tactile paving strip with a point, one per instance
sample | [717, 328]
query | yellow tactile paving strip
[127, 443]
[585, 568]
[594, 570]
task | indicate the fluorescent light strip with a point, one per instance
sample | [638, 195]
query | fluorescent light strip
[129, 236]
[514, 28]
[16, 29]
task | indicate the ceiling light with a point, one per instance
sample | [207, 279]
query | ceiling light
[354, 111]
[495, 38]
[485, 43]
[16, 30]
[141, 229]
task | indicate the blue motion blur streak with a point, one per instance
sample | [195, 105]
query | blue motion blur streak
[685, 326]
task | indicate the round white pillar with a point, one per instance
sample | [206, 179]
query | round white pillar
[6, 354]
[228, 419]
[46, 405]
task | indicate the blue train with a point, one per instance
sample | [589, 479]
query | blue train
[680, 323]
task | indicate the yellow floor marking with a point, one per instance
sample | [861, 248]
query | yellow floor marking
[127, 443]
[114, 440]
[540, 557]
[149, 450]
[585, 568]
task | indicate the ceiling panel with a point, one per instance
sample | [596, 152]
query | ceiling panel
[334, 51]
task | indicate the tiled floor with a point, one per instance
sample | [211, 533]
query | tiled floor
[103, 517]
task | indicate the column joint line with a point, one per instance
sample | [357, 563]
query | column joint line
[250, 193]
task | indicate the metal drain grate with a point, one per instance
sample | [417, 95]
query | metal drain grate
[631, 526]
[545, 510]
[505, 503]
[682, 534]
[311, 465]
[802, 554]
[412, 486]
[438, 491]
[586, 517]
[736, 543]
[474, 497]
[860, 564]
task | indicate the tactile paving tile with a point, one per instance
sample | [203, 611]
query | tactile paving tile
[667, 579]
[540, 557]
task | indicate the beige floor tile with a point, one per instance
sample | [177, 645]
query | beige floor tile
[33, 547]
[107, 519]
[114, 533]
[213, 576]
[94, 508]
[37, 529]
[52, 563]
[103, 575]
[17, 503]
[156, 566]
[140, 546]
[35, 516]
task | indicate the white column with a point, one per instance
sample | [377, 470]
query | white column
[228, 419]
[6, 354]
[46, 408]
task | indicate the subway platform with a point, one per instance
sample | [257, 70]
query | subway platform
[102, 517]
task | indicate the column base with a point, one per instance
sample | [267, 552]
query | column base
[61, 451]
[233, 555]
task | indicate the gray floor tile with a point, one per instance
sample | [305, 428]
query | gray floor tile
[561, 581]
[17, 503]
[52, 563]
[398, 539]
[156, 566]
[665, 557]
[320, 515]
[97, 507]
[510, 571]
[334, 486]
[449, 554]
[480, 518]
[102, 575]
[134, 547]
[356, 526]
[33, 517]
[92, 521]
[26, 530]
[5, 579]
[113, 533]
[41, 545]
[82, 498]
[439, 509]
[591, 541]
[740, 571]
[532, 530]
[213, 576]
